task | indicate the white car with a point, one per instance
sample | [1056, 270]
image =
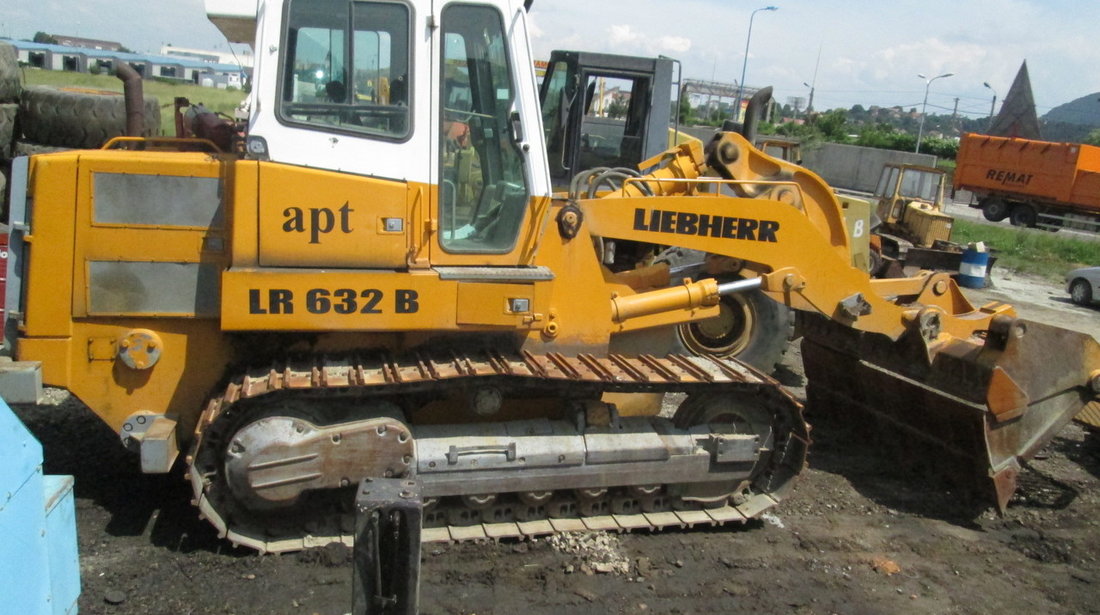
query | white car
[1083, 285]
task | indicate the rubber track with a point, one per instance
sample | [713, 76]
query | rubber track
[587, 374]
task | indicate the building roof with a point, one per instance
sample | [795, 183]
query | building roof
[128, 57]
[244, 58]
[87, 43]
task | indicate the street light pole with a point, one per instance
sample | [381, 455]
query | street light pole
[813, 82]
[745, 63]
[924, 106]
[992, 105]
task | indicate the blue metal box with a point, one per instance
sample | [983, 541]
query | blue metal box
[39, 571]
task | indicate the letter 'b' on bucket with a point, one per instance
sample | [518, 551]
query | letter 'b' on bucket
[972, 269]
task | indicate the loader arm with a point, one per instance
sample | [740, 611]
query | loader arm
[978, 382]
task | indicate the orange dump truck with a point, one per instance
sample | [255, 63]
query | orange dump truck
[1032, 183]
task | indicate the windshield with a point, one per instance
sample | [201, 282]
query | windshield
[613, 122]
[920, 185]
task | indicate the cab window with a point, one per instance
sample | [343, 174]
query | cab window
[887, 182]
[920, 185]
[347, 67]
[483, 192]
[613, 122]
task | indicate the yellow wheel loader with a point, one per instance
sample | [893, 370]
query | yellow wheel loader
[349, 295]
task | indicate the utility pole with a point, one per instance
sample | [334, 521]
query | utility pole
[992, 105]
[955, 115]
[813, 82]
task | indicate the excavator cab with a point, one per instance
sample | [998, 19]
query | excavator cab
[604, 110]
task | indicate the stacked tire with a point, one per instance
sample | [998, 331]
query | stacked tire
[79, 117]
[10, 89]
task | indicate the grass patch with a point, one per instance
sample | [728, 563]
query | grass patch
[223, 101]
[1032, 251]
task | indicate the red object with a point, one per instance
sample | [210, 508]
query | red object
[3, 275]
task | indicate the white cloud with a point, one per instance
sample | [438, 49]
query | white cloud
[674, 44]
[622, 34]
[533, 29]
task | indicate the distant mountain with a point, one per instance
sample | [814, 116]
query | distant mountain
[1084, 111]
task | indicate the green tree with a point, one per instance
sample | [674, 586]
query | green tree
[685, 110]
[940, 147]
[1093, 137]
[833, 125]
[616, 109]
[42, 37]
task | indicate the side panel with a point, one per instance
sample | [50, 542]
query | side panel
[1086, 189]
[305, 300]
[310, 218]
[194, 357]
[122, 241]
[47, 287]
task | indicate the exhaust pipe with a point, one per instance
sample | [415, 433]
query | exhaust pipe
[135, 100]
[754, 111]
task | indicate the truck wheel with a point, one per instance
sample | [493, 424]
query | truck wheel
[1023, 215]
[994, 209]
[76, 117]
[1081, 292]
[10, 86]
[751, 327]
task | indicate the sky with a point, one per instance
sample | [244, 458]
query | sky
[866, 52]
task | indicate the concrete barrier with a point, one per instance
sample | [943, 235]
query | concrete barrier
[848, 167]
[853, 167]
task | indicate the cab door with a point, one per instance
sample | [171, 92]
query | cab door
[492, 180]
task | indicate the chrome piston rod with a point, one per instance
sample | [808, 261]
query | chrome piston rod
[740, 286]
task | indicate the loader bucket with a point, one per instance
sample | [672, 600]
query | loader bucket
[985, 404]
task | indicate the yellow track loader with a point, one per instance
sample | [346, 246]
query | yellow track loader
[379, 283]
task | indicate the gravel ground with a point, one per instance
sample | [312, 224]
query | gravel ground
[858, 535]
